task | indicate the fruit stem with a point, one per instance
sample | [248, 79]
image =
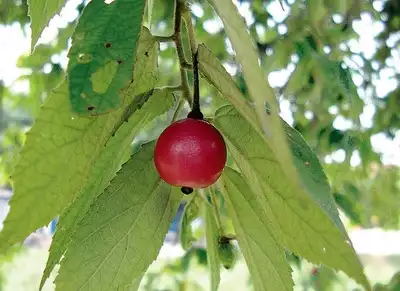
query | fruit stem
[196, 112]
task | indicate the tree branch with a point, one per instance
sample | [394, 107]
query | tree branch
[177, 39]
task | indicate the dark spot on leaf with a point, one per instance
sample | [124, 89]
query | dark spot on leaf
[119, 62]
[90, 108]
[187, 190]
[108, 45]
[146, 54]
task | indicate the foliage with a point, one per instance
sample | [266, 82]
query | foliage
[274, 195]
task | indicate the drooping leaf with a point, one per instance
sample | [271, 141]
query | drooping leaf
[123, 230]
[57, 143]
[216, 74]
[104, 169]
[264, 256]
[53, 165]
[301, 221]
[114, 154]
[102, 54]
[212, 247]
[41, 12]
[190, 213]
[259, 89]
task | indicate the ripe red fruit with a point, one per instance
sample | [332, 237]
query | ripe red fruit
[190, 153]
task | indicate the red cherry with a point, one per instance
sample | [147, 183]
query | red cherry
[190, 153]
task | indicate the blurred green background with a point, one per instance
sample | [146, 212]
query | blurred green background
[335, 67]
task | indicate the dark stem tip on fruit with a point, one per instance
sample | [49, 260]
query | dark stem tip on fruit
[195, 114]
[224, 240]
[187, 190]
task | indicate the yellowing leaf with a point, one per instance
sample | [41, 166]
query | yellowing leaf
[123, 231]
[102, 54]
[264, 256]
[298, 222]
[41, 12]
[101, 79]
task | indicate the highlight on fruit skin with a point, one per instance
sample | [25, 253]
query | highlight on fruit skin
[190, 153]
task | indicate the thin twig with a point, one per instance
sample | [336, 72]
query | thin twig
[162, 38]
[177, 38]
[190, 29]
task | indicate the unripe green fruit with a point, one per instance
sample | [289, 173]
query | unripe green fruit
[227, 254]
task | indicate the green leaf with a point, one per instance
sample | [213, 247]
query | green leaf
[41, 12]
[190, 213]
[312, 174]
[102, 54]
[212, 247]
[259, 89]
[57, 143]
[301, 218]
[303, 156]
[123, 231]
[264, 256]
[115, 152]
[54, 164]
[217, 76]
[348, 207]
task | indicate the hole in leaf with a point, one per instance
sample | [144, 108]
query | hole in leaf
[146, 54]
[108, 1]
[84, 58]
[119, 62]
[107, 45]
